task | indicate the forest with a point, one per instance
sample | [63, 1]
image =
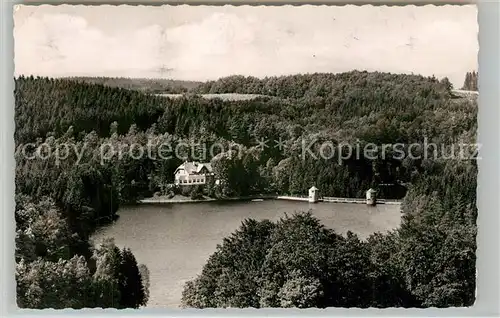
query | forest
[146, 85]
[60, 203]
[471, 81]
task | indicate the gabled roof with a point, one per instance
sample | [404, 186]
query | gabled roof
[194, 167]
[206, 165]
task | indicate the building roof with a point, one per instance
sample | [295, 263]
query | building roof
[313, 188]
[194, 167]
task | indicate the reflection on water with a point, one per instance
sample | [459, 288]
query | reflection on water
[175, 240]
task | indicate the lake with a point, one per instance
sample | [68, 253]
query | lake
[175, 240]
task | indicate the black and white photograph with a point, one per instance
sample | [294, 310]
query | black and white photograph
[219, 156]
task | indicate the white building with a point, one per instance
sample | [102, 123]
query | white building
[192, 173]
[313, 194]
[371, 197]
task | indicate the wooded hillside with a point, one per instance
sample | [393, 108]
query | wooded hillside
[356, 108]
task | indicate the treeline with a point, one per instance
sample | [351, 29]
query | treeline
[59, 203]
[470, 82]
[297, 262]
[48, 105]
[50, 274]
[52, 105]
[381, 85]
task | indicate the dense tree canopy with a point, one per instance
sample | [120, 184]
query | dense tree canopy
[46, 105]
[470, 82]
[101, 124]
[49, 269]
[296, 262]
[147, 85]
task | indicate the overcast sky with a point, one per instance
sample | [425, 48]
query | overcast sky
[207, 42]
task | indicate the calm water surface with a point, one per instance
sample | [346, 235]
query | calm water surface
[175, 240]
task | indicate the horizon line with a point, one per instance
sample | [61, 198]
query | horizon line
[232, 75]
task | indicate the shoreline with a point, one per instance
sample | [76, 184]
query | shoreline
[174, 200]
[180, 199]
